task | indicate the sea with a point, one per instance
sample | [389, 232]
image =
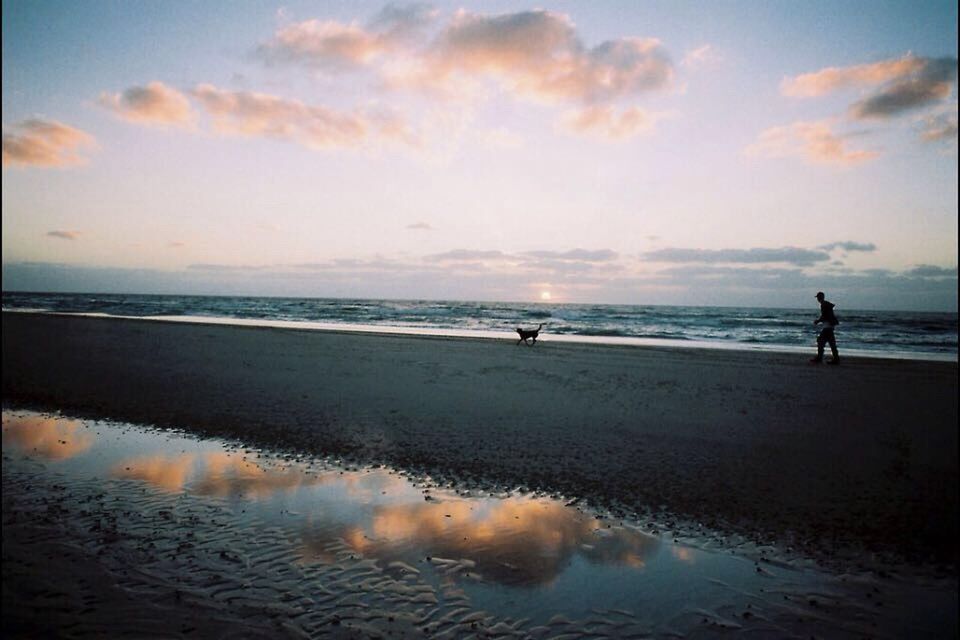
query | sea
[884, 334]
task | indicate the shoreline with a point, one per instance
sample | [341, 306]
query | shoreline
[834, 462]
[479, 334]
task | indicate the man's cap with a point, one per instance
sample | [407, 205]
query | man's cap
[819, 294]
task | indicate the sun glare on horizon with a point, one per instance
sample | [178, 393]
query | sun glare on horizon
[545, 295]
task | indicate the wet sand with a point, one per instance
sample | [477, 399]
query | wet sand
[112, 530]
[853, 465]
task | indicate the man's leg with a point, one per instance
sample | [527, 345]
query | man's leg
[821, 341]
[832, 339]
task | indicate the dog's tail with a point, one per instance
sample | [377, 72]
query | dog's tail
[540, 327]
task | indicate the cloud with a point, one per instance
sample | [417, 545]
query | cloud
[812, 141]
[63, 234]
[849, 246]
[606, 123]
[941, 127]
[905, 84]
[420, 226]
[204, 266]
[549, 262]
[538, 54]
[868, 288]
[931, 82]
[154, 104]
[327, 45]
[458, 255]
[830, 79]
[402, 23]
[262, 115]
[790, 255]
[568, 267]
[931, 271]
[44, 143]
[534, 55]
[700, 57]
[356, 266]
[579, 255]
[317, 127]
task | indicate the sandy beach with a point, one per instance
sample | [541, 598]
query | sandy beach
[293, 483]
[112, 529]
[854, 463]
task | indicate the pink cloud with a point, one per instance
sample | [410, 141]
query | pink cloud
[258, 114]
[403, 23]
[814, 142]
[538, 54]
[824, 81]
[700, 57]
[44, 143]
[925, 86]
[63, 234]
[325, 44]
[154, 104]
[335, 46]
[607, 123]
[941, 127]
[534, 54]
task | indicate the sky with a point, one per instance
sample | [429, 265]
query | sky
[722, 153]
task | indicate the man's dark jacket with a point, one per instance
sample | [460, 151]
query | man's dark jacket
[826, 314]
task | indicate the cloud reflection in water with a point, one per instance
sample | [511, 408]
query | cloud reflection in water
[215, 473]
[516, 540]
[52, 438]
[519, 541]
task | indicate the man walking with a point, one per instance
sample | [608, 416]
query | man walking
[825, 336]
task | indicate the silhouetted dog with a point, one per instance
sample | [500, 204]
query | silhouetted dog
[529, 335]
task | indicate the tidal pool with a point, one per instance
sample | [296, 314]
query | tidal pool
[372, 548]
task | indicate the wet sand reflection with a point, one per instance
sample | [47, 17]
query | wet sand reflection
[514, 541]
[52, 438]
[217, 473]
[167, 472]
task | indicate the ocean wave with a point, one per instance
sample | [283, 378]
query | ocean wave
[610, 333]
[879, 331]
[662, 335]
